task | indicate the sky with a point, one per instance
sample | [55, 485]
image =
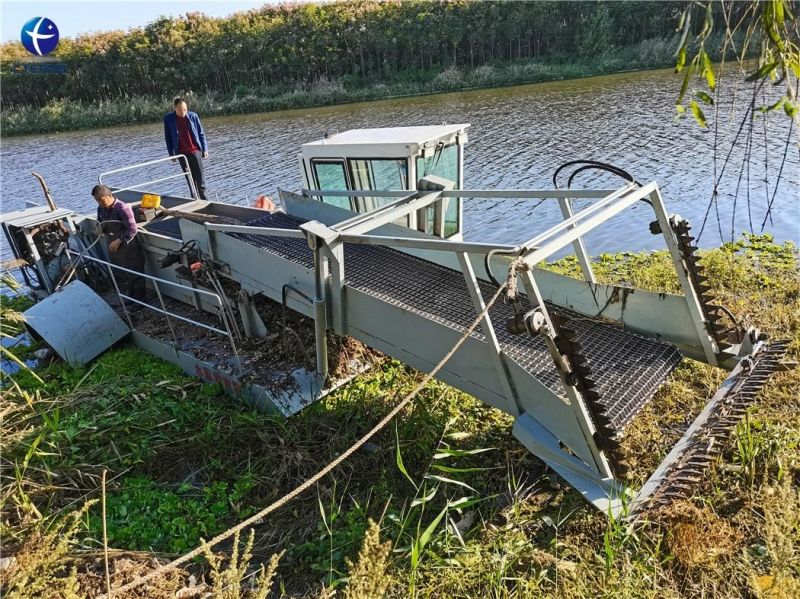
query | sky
[73, 17]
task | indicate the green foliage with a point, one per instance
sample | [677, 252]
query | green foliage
[337, 536]
[768, 30]
[142, 515]
[298, 55]
[469, 511]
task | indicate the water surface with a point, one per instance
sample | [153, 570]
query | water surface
[519, 135]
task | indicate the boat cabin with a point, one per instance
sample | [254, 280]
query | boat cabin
[389, 159]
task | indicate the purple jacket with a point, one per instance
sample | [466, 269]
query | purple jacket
[122, 212]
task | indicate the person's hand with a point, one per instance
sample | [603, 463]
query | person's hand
[205, 154]
[114, 245]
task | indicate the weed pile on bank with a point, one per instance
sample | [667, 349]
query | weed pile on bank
[443, 504]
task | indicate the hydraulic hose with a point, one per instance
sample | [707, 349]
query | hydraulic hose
[595, 165]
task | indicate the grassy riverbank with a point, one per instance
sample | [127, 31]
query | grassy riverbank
[184, 462]
[66, 115]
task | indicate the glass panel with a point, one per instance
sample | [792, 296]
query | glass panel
[330, 175]
[451, 217]
[379, 174]
[442, 164]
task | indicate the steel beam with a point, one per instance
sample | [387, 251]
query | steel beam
[580, 249]
[576, 401]
[693, 301]
[492, 345]
[386, 214]
[605, 209]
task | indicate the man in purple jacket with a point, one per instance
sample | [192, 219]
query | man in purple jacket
[118, 223]
[184, 135]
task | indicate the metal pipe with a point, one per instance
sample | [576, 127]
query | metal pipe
[180, 157]
[166, 315]
[529, 194]
[356, 193]
[583, 214]
[426, 244]
[268, 231]
[320, 319]
[610, 207]
[152, 278]
[50, 202]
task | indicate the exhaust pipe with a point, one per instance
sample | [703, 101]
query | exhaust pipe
[50, 202]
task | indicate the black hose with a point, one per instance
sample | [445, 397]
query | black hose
[487, 259]
[595, 165]
[602, 166]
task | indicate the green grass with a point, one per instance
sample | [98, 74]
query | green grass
[467, 510]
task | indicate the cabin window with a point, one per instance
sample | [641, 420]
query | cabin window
[330, 174]
[379, 174]
[444, 163]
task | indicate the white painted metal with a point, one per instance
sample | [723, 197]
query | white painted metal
[601, 204]
[487, 328]
[605, 209]
[424, 243]
[388, 142]
[531, 194]
[576, 402]
[709, 345]
[76, 323]
[387, 214]
[580, 248]
[266, 231]
[186, 173]
[604, 493]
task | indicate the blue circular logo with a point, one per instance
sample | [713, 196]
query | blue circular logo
[39, 36]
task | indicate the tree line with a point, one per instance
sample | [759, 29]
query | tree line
[355, 43]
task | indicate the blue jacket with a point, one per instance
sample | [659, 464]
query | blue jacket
[195, 129]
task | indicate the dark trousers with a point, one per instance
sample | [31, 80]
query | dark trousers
[195, 160]
[130, 256]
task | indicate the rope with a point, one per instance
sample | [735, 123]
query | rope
[256, 518]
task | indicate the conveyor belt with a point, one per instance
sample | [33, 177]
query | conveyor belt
[628, 368]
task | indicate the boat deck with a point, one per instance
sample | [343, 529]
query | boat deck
[628, 368]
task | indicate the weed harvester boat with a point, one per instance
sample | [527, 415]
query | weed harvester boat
[371, 249]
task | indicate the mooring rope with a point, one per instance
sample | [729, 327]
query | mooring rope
[255, 519]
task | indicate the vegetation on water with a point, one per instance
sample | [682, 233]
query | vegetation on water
[443, 503]
[297, 55]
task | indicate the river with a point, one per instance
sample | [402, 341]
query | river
[519, 135]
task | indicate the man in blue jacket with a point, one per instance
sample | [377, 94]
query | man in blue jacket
[184, 135]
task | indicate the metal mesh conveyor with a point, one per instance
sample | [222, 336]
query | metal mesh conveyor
[627, 368]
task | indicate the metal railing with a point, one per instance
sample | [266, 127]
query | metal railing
[180, 158]
[163, 309]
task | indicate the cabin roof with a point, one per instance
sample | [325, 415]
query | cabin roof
[384, 141]
[391, 135]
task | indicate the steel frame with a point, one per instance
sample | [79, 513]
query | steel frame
[588, 468]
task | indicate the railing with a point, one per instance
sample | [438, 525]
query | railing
[227, 332]
[180, 157]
